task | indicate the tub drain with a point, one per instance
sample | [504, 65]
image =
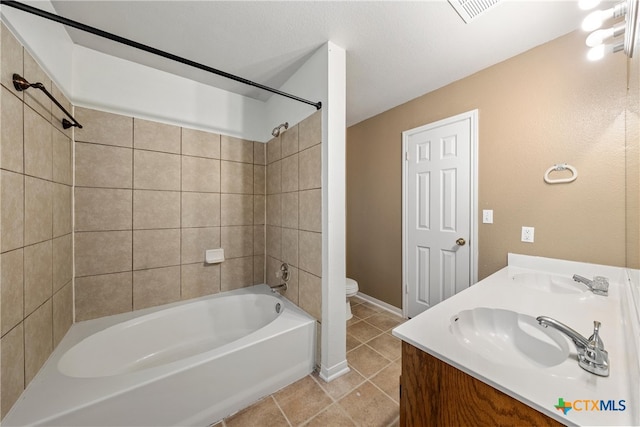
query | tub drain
[278, 308]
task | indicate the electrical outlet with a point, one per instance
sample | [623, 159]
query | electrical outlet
[527, 234]
[487, 216]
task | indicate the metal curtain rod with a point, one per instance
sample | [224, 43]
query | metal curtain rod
[115, 38]
[20, 83]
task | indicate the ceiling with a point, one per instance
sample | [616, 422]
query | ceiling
[396, 50]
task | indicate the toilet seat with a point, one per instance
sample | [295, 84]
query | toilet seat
[351, 287]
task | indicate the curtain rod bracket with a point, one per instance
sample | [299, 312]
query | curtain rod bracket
[20, 83]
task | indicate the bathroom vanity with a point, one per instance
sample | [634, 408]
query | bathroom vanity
[482, 358]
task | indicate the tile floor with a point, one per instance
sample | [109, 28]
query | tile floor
[367, 396]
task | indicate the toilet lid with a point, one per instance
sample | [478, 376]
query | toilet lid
[351, 285]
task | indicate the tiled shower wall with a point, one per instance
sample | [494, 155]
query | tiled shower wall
[150, 198]
[294, 212]
[35, 222]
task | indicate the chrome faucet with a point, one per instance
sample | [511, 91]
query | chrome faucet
[592, 357]
[277, 288]
[284, 275]
[599, 285]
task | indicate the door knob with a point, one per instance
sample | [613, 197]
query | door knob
[460, 242]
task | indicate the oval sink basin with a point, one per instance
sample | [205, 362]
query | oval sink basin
[509, 338]
[549, 283]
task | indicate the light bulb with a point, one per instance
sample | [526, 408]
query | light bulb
[596, 53]
[598, 37]
[593, 21]
[588, 4]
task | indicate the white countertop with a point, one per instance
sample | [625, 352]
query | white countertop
[538, 386]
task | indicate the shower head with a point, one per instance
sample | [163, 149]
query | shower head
[276, 130]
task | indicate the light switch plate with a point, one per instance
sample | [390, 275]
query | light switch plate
[527, 234]
[487, 216]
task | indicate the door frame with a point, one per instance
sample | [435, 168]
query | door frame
[473, 202]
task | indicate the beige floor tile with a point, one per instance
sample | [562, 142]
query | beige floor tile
[354, 319]
[387, 345]
[388, 380]
[342, 385]
[385, 321]
[366, 361]
[334, 416]
[261, 414]
[352, 342]
[370, 407]
[302, 400]
[363, 310]
[363, 331]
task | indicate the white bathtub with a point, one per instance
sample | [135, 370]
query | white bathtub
[190, 363]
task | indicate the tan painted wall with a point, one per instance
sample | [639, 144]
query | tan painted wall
[546, 106]
[633, 163]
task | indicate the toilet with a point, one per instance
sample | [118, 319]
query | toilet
[352, 289]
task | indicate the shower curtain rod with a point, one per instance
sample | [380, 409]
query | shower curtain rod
[131, 43]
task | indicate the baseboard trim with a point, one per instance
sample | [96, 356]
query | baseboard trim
[330, 374]
[388, 307]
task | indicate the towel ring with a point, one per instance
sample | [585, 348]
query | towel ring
[560, 167]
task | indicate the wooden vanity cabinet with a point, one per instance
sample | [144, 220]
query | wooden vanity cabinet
[434, 393]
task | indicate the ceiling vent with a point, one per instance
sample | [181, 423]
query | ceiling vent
[471, 9]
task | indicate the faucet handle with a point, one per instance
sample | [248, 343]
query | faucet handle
[594, 340]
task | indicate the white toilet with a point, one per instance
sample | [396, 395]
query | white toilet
[352, 289]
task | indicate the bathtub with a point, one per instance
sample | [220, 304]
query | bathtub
[188, 363]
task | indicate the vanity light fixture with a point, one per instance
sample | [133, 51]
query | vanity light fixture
[598, 37]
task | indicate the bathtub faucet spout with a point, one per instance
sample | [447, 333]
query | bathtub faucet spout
[277, 288]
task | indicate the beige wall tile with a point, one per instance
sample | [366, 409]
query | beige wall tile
[38, 275]
[310, 131]
[156, 171]
[310, 167]
[274, 177]
[310, 294]
[38, 210]
[237, 241]
[290, 246]
[201, 144]
[12, 365]
[148, 135]
[236, 177]
[62, 312]
[310, 252]
[156, 287]
[11, 210]
[12, 61]
[37, 145]
[292, 286]
[156, 248]
[102, 252]
[311, 210]
[57, 114]
[258, 269]
[259, 153]
[236, 149]
[62, 159]
[37, 99]
[273, 268]
[274, 209]
[38, 340]
[195, 241]
[200, 209]
[236, 273]
[103, 209]
[200, 174]
[259, 209]
[62, 261]
[103, 166]
[290, 141]
[62, 203]
[156, 209]
[290, 173]
[236, 209]
[11, 135]
[11, 289]
[290, 209]
[274, 241]
[259, 179]
[200, 279]
[103, 128]
[104, 295]
[259, 236]
[274, 150]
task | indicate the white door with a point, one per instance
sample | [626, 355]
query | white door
[439, 193]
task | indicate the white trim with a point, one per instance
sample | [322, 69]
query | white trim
[473, 221]
[385, 306]
[330, 374]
